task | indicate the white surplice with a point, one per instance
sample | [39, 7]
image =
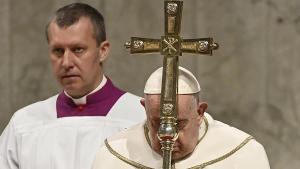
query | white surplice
[36, 139]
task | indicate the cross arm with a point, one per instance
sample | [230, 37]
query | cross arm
[143, 45]
[198, 46]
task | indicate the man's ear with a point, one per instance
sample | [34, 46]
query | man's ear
[202, 106]
[103, 51]
[142, 101]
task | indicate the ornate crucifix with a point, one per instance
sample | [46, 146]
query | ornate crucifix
[171, 45]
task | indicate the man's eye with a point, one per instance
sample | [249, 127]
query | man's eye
[58, 51]
[155, 124]
[181, 125]
[78, 50]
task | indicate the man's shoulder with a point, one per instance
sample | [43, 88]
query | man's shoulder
[240, 146]
[130, 97]
[131, 102]
[223, 138]
[121, 145]
[225, 131]
[126, 135]
[224, 142]
[36, 111]
[232, 136]
[125, 141]
[128, 107]
[125, 138]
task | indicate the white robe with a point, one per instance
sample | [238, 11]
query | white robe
[219, 140]
[36, 139]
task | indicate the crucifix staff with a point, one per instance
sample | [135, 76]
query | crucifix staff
[171, 45]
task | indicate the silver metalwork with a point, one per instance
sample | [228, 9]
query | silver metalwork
[172, 8]
[127, 45]
[138, 44]
[203, 46]
[168, 108]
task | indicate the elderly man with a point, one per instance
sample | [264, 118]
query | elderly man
[202, 142]
[65, 131]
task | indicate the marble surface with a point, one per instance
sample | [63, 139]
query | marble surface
[252, 82]
[5, 63]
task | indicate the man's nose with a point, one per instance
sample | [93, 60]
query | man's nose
[67, 62]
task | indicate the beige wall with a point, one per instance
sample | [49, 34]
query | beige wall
[252, 82]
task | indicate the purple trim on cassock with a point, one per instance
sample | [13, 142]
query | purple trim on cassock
[97, 104]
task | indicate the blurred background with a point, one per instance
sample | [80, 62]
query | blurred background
[252, 82]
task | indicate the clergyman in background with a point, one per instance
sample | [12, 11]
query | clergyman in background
[65, 131]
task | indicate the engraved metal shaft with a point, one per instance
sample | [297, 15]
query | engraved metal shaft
[167, 133]
[171, 48]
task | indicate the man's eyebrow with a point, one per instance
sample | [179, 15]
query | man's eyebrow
[76, 44]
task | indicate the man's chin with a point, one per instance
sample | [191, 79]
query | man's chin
[177, 155]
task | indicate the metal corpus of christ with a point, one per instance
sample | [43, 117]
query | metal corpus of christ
[171, 45]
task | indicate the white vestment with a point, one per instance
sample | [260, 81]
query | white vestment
[36, 139]
[222, 147]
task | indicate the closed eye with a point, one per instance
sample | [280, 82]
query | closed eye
[181, 124]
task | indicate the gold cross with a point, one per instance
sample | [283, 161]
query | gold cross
[171, 45]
